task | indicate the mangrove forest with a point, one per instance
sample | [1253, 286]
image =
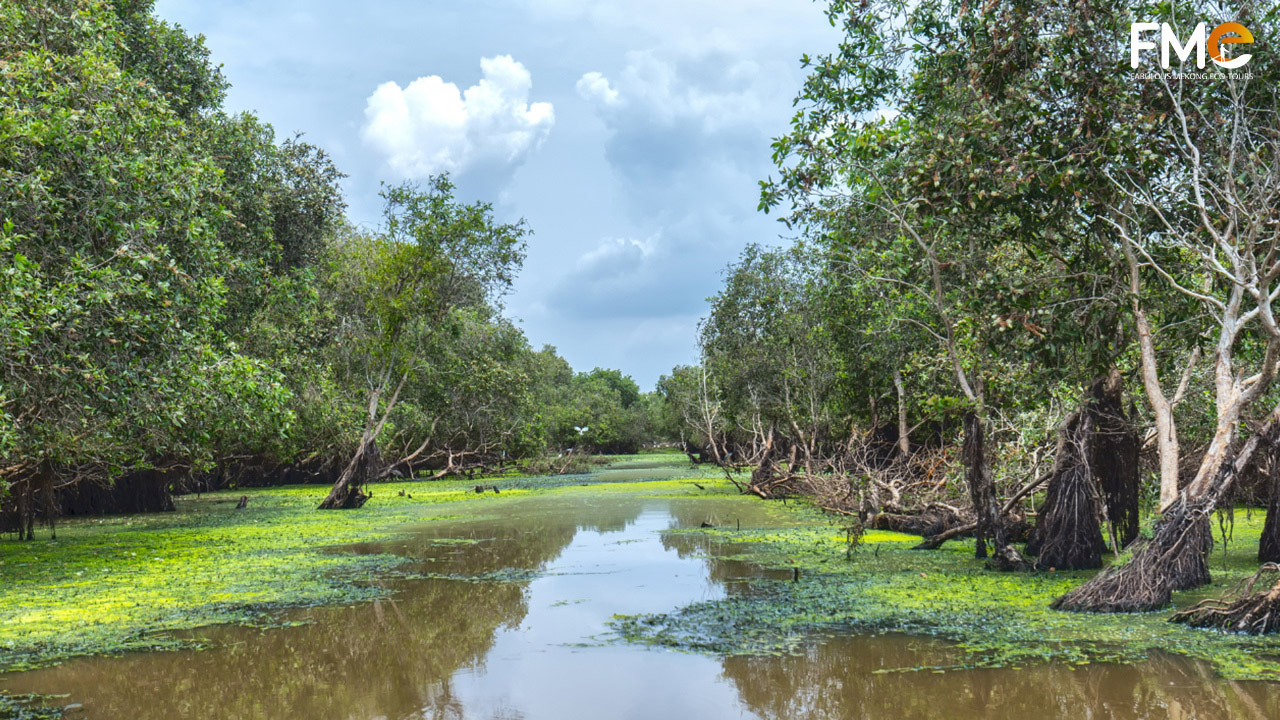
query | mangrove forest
[933, 352]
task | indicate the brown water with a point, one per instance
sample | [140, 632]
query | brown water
[513, 632]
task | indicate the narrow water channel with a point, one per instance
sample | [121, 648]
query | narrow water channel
[512, 622]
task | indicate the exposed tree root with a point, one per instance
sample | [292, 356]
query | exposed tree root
[1175, 559]
[1094, 479]
[1269, 543]
[1112, 455]
[1070, 537]
[1251, 613]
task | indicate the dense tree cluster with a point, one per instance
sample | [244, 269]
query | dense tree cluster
[1022, 264]
[182, 300]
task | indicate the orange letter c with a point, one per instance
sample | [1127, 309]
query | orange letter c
[1216, 40]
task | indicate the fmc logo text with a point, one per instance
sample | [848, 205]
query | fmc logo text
[1227, 32]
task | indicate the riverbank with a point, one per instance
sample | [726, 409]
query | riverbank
[998, 619]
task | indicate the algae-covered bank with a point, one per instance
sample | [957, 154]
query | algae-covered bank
[574, 597]
[881, 584]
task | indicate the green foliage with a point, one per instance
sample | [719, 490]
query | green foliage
[175, 64]
[112, 270]
[961, 175]
[178, 286]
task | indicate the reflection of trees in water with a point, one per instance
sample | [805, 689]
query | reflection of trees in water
[710, 548]
[834, 679]
[391, 658]
[522, 535]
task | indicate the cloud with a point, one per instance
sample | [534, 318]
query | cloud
[686, 130]
[666, 275]
[431, 126]
[595, 87]
[687, 136]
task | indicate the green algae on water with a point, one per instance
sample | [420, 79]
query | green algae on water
[995, 619]
[136, 582]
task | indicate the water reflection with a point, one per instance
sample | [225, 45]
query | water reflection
[836, 678]
[462, 645]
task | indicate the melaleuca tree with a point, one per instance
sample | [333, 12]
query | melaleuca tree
[766, 345]
[1205, 231]
[472, 406]
[395, 293]
[1013, 137]
[690, 410]
[928, 155]
[175, 64]
[113, 270]
[855, 182]
[283, 203]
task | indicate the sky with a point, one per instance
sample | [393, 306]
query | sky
[630, 135]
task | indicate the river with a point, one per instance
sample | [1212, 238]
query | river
[510, 620]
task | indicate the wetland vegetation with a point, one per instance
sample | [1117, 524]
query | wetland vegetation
[995, 434]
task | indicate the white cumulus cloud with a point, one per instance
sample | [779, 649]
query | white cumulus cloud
[431, 126]
[595, 86]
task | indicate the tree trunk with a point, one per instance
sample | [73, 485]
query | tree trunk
[1095, 474]
[1113, 457]
[982, 492]
[904, 439]
[1161, 408]
[1269, 545]
[1177, 557]
[347, 492]
[1067, 534]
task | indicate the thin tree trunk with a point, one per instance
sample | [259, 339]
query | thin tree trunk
[904, 432]
[346, 492]
[1166, 429]
[982, 492]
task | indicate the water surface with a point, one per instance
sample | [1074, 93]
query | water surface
[513, 621]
